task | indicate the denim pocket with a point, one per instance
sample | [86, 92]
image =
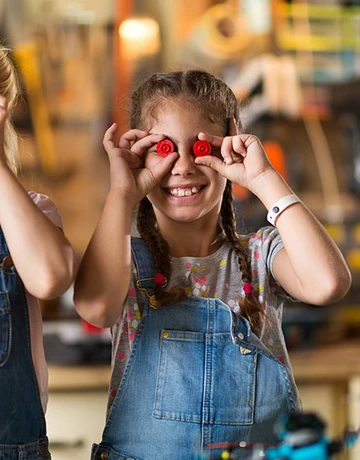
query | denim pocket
[5, 328]
[234, 383]
[178, 394]
[204, 378]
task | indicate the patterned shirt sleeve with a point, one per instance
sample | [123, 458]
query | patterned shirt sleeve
[266, 244]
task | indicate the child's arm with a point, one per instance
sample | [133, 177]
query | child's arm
[41, 254]
[103, 279]
[311, 268]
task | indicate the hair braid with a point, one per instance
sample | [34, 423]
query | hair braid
[159, 249]
[249, 306]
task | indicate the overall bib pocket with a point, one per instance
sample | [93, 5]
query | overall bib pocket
[198, 375]
[5, 328]
[234, 383]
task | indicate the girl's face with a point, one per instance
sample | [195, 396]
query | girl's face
[189, 192]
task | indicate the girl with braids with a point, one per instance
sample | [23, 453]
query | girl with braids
[36, 261]
[195, 309]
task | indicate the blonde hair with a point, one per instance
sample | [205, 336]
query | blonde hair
[11, 89]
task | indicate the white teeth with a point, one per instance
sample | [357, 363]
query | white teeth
[184, 191]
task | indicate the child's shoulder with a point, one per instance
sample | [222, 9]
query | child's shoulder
[266, 241]
[265, 235]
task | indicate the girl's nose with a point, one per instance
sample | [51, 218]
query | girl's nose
[184, 164]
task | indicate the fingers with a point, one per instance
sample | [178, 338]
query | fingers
[133, 161]
[232, 148]
[134, 142]
[163, 166]
[108, 140]
[232, 127]
[130, 137]
[212, 162]
[227, 150]
[125, 141]
[215, 141]
[238, 146]
[146, 142]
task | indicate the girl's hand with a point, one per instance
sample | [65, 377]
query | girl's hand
[127, 171]
[3, 117]
[242, 158]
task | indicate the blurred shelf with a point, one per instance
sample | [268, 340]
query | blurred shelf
[337, 362]
[79, 378]
[331, 27]
[326, 35]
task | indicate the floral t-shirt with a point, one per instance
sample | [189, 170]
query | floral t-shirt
[215, 276]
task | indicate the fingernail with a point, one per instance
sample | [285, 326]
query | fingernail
[227, 160]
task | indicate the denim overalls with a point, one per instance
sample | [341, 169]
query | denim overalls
[22, 422]
[196, 375]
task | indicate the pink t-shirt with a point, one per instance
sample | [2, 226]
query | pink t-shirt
[37, 345]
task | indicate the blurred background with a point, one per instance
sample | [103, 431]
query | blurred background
[295, 67]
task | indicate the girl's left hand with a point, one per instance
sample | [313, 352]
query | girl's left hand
[243, 161]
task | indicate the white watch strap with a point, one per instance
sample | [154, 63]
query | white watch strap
[280, 206]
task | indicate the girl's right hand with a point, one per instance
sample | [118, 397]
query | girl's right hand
[128, 175]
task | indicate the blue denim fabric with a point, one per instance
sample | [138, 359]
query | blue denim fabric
[30, 451]
[22, 422]
[196, 375]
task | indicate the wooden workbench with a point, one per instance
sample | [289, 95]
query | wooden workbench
[328, 378]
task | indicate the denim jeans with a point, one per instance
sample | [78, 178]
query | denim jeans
[22, 421]
[196, 375]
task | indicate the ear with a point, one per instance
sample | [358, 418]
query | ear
[232, 127]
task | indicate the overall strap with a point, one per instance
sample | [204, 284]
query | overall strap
[144, 263]
[3, 245]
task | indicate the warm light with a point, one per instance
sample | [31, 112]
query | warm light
[140, 37]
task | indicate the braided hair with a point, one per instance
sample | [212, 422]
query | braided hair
[216, 101]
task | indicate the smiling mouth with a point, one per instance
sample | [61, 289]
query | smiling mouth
[184, 191]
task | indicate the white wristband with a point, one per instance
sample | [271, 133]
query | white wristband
[280, 206]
